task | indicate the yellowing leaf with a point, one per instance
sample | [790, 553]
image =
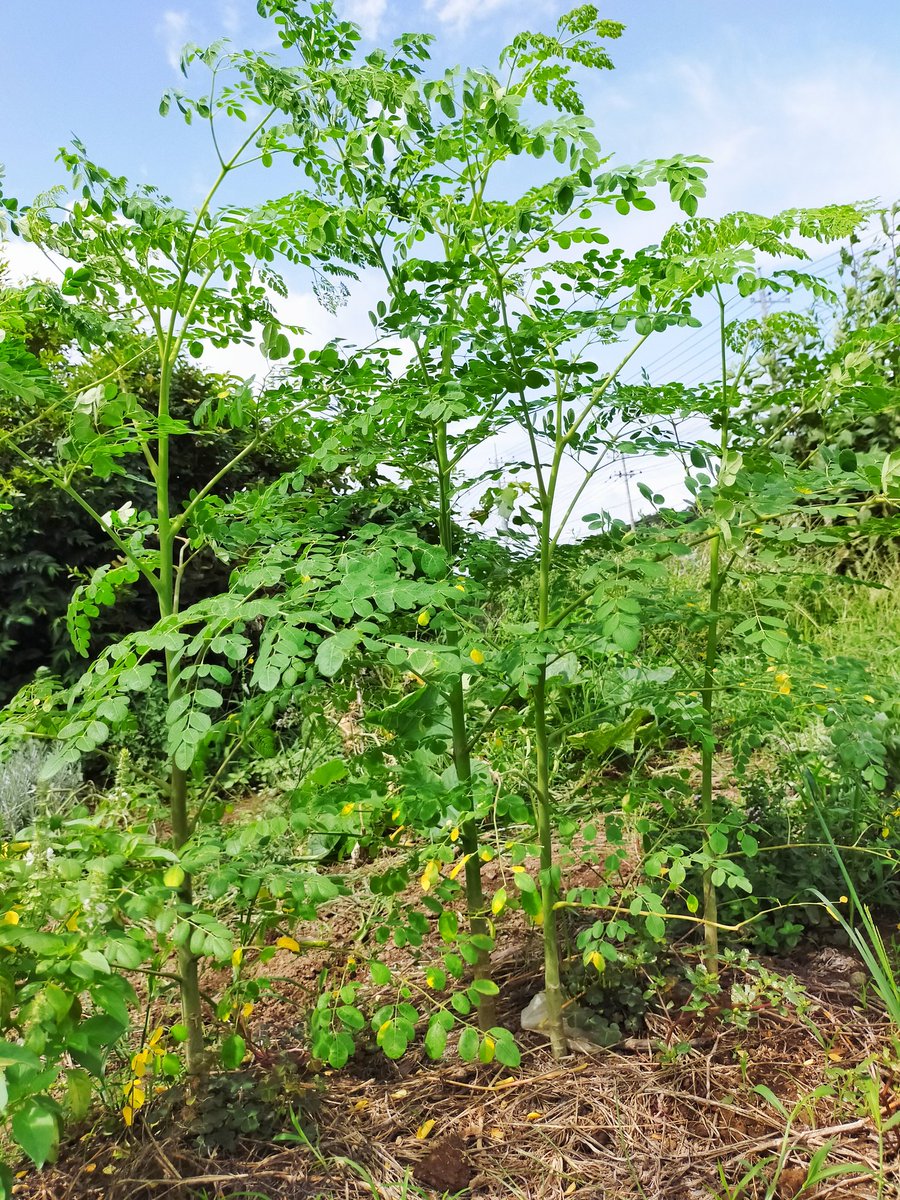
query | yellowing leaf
[128, 1115]
[347, 810]
[496, 1133]
[423, 618]
[454, 834]
[459, 866]
[288, 943]
[140, 1061]
[174, 877]
[430, 875]
[499, 901]
[597, 961]
[533, 1116]
[155, 1036]
[425, 1128]
[72, 923]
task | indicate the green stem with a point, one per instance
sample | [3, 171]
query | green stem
[462, 761]
[716, 581]
[549, 877]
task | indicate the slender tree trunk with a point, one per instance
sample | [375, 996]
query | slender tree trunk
[191, 1009]
[549, 878]
[710, 902]
[462, 760]
[716, 582]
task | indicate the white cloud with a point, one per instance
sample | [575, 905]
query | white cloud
[367, 14]
[232, 22]
[174, 30]
[26, 261]
[825, 132]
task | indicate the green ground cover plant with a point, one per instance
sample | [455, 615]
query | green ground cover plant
[313, 674]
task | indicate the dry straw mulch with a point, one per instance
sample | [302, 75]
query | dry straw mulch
[635, 1124]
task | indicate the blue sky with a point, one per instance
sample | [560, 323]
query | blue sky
[796, 101]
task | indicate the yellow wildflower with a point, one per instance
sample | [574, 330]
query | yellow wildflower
[476, 656]
[288, 943]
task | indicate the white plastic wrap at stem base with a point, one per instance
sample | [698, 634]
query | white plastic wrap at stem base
[534, 1019]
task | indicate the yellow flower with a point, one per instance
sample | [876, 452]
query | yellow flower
[288, 943]
[454, 834]
[72, 923]
[237, 957]
[476, 656]
[11, 917]
[425, 1128]
[246, 1010]
[156, 1036]
[784, 683]
[347, 810]
[842, 899]
[424, 617]
[869, 699]
[459, 587]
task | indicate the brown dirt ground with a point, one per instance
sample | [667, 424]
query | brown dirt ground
[655, 1119]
